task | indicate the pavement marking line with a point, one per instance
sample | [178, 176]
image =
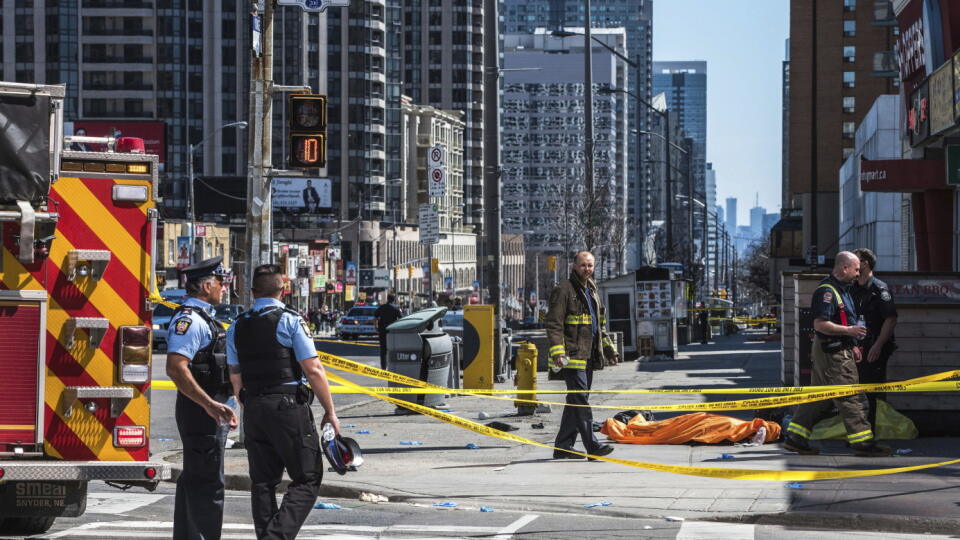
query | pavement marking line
[119, 503]
[709, 530]
[507, 532]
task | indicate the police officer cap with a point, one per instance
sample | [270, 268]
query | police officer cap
[210, 267]
[343, 453]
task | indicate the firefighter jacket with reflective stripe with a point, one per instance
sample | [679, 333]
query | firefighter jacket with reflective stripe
[570, 325]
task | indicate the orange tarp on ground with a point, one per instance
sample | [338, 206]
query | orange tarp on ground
[701, 427]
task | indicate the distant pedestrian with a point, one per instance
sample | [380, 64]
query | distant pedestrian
[578, 345]
[386, 315]
[876, 305]
[835, 354]
[271, 358]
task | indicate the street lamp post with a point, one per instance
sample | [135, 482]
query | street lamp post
[191, 205]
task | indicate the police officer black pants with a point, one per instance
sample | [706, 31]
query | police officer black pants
[577, 420]
[280, 434]
[383, 350]
[198, 508]
[870, 373]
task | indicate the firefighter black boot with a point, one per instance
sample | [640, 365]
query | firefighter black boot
[799, 445]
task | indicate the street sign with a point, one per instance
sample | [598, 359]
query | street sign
[381, 278]
[437, 156]
[429, 224]
[438, 181]
[366, 277]
[314, 6]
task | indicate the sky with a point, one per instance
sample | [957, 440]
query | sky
[743, 44]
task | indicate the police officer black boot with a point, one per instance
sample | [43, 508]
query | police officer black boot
[870, 449]
[799, 445]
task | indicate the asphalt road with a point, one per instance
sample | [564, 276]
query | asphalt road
[143, 515]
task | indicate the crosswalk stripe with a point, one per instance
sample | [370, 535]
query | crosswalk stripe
[710, 530]
[244, 531]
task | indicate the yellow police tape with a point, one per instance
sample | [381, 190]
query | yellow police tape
[336, 362]
[708, 472]
[362, 344]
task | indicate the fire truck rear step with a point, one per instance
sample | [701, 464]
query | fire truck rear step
[119, 397]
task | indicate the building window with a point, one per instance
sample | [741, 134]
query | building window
[849, 79]
[849, 129]
[849, 28]
[849, 104]
[849, 5]
[849, 53]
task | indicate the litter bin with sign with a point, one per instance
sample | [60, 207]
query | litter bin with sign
[417, 347]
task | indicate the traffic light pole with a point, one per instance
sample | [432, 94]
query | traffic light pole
[491, 164]
[259, 234]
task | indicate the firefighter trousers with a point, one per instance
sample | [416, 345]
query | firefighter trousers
[281, 434]
[577, 420]
[874, 372]
[829, 369]
[198, 506]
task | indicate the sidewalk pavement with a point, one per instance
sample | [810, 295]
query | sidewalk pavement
[510, 476]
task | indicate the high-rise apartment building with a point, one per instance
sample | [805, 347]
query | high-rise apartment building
[358, 55]
[684, 84]
[731, 214]
[442, 66]
[841, 59]
[636, 17]
[543, 138]
[711, 222]
[173, 73]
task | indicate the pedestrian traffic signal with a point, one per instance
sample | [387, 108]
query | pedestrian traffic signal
[435, 266]
[307, 122]
[551, 263]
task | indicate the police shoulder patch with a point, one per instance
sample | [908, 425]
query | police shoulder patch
[828, 296]
[306, 328]
[182, 325]
[885, 295]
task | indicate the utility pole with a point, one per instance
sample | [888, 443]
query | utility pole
[588, 121]
[259, 235]
[491, 163]
[669, 187]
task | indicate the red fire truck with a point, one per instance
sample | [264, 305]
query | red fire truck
[77, 239]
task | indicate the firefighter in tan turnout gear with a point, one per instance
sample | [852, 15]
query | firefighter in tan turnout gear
[578, 345]
[836, 352]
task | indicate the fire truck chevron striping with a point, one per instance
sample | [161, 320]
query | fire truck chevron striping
[77, 237]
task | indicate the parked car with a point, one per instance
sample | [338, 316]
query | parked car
[162, 315]
[357, 322]
[227, 313]
[452, 323]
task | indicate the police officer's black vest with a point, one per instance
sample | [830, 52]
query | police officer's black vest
[209, 365]
[264, 362]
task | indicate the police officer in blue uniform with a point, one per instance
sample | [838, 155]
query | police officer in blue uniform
[196, 363]
[271, 356]
[875, 303]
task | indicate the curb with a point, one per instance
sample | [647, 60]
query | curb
[850, 521]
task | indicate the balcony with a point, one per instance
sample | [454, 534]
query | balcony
[883, 13]
[885, 64]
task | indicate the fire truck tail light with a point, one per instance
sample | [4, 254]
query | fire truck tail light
[125, 193]
[150, 473]
[1, 473]
[134, 361]
[129, 436]
[138, 168]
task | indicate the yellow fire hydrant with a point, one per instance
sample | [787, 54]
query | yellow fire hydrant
[526, 378]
